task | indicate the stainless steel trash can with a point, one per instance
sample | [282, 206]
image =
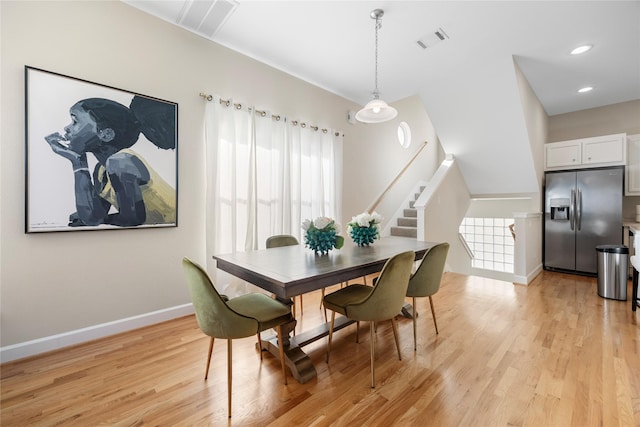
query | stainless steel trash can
[613, 271]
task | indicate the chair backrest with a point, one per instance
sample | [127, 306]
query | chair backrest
[281, 240]
[387, 296]
[426, 280]
[215, 318]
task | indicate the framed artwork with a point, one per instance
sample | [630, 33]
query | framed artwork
[97, 157]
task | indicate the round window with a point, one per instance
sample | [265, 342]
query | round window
[404, 134]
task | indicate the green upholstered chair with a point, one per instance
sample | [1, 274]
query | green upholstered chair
[281, 240]
[278, 241]
[374, 303]
[425, 282]
[240, 317]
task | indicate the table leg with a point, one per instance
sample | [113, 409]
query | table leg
[407, 311]
[295, 358]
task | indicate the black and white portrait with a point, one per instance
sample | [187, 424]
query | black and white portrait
[97, 157]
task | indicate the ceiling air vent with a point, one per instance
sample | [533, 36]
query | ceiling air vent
[432, 38]
[206, 17]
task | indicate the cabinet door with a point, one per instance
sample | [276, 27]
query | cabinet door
[633, 166]
[605, 150]
[562, 154]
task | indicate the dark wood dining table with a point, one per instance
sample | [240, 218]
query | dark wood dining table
[289, 271]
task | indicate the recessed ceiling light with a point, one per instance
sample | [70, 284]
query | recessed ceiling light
[581, 49]
[585, 89]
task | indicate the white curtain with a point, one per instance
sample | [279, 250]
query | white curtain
[265, 175]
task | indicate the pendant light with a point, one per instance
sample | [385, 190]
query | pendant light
[376, 110]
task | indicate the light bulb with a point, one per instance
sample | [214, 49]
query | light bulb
[376, 110]
[581, 49]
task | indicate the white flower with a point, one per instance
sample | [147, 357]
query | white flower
[306, 224]
[363, 219]
[321, 222]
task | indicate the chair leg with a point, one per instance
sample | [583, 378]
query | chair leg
[301, 308]
[229, 371]
[281, 345]
[206, 372]
[394, 325]
[259, 345]
[333, 318]
[373, 351]
[322, 305]
[433, 312]
[415, 314]
[357, 332]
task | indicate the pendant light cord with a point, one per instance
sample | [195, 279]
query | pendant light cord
[376, 93]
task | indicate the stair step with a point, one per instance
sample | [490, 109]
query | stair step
[412, 204]
[408, 222]
[410, 213]
[404, 231]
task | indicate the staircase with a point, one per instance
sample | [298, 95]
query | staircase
[408, 222]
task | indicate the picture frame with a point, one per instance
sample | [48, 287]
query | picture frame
[97, 157]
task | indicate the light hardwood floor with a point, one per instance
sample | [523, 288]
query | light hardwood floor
[549, 354]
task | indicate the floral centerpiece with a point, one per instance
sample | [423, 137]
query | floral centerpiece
[363, 228]
[321, 235]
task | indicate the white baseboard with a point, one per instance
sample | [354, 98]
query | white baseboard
[507, 277]
[525, 280]
[55, 342]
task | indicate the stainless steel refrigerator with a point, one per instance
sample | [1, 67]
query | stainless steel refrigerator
[583, 209]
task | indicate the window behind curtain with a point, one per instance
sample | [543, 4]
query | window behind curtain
[265, 176]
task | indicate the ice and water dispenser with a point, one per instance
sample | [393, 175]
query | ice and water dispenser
[559, 209]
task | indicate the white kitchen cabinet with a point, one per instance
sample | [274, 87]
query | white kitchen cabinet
[632, 178]
[563, 154]
[608, 150]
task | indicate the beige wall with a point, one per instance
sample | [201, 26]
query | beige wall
[617, 118]
[54, 283]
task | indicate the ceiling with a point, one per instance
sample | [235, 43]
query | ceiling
[467, 82]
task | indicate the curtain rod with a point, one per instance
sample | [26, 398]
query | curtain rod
[262, 113]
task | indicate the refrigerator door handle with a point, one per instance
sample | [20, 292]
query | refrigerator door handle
[579, 210]
[572, 209]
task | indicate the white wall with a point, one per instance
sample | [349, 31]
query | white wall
[56, 283]
[441, 208]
